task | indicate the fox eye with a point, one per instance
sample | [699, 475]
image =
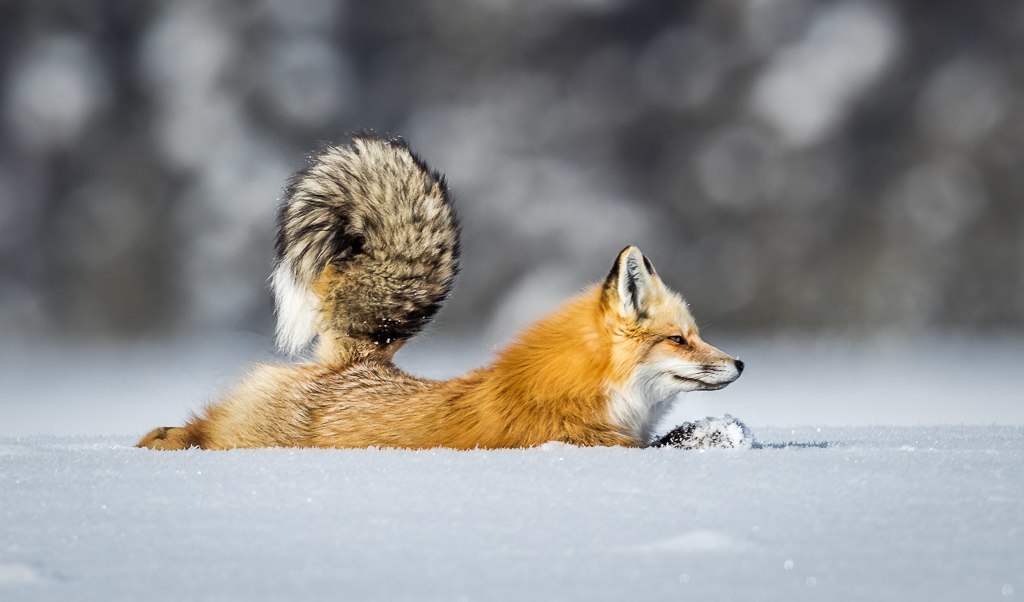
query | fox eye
[678, 340]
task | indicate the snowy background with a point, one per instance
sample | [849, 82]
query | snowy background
[835, 185]
[822, 165]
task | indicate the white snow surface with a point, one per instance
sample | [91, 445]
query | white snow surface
[856, 513]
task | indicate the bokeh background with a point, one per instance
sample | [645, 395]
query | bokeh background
[803, 171]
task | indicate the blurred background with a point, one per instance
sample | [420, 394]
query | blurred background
[838, 178]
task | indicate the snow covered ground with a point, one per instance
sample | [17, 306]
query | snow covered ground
[836, 510]
[925, 513]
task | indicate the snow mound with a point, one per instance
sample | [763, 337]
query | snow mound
[710, 433]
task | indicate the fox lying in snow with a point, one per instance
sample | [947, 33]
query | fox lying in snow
[367, 249]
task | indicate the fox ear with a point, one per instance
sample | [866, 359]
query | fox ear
[631, 283]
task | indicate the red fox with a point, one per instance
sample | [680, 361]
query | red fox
[367, 250]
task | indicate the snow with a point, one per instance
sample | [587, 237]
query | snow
[839, 510]
[925, 513]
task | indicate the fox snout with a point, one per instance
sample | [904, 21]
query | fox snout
[703, 367]
[736, 369]
[713, 360]
[731, 368]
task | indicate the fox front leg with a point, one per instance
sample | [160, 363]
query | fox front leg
[709, 433]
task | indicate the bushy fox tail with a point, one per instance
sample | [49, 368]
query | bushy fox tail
[367, 250]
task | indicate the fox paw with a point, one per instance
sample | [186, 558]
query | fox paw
[165, 437]
[710, 433]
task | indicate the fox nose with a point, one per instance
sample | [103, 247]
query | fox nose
[739, 365]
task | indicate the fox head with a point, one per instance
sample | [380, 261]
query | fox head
[655, 344]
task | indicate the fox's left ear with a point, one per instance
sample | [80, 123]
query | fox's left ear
[631, 284]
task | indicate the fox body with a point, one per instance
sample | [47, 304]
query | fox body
[367, 250]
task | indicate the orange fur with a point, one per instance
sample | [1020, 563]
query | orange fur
[547, 386]
[554, 383]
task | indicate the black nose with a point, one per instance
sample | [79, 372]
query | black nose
[739, 365]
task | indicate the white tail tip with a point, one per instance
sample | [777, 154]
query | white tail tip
[298, 310]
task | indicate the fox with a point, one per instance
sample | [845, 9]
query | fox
[367, 250]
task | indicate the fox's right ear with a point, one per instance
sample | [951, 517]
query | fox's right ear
[630, 285]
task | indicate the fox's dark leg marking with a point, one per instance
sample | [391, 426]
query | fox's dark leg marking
[681, 436]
